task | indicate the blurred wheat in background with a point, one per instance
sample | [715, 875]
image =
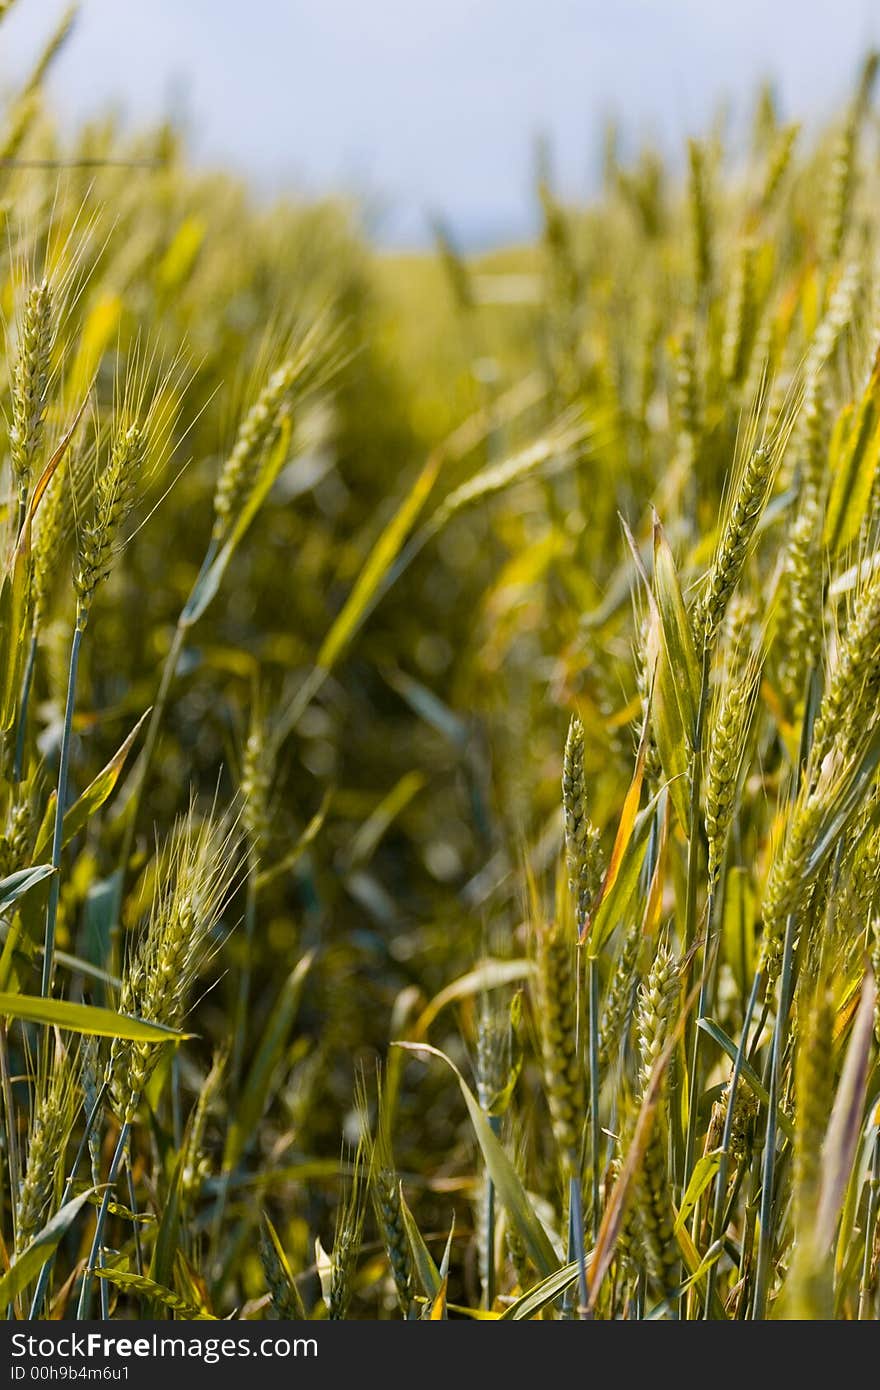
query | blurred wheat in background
[439, 811]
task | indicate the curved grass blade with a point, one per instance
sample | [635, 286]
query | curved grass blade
[168, 1234]
[489, 974]
[616, 897]
[307, 838]
[379, 561]
[278, 1247]
[549, 1289]
[622, 839]
[704, 1171]
[426, 1269]
[502, 1172]
[158, 1293]
[675, 628]
[670, 709]
[844, 1127]
[370, 833]
[747, 1071]
[41, 1249]
[94, 796]
[854, 474]
[85, 1018]
[14, 885]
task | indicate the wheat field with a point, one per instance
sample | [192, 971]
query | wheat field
[439, 741]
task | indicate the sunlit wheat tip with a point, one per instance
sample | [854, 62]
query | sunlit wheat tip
[30, 387]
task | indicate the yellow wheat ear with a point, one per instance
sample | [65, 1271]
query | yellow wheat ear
[30, 389]
[759, 455]
[197, 873]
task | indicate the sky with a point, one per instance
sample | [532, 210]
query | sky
[433, 107]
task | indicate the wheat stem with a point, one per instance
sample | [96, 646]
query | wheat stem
[11, 1130]
[693, 863]
[865, 1290]
[724, 1162]
[85, 1293]
[46, 1271]
[21, 728]
[768, 1177]
[595, 1082]
[681, 1145]
[60, 807]
[708, 959]
[576, 1248]
[239, 1029]
[489, 1218]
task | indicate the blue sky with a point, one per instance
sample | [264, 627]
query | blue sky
[434, 105]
